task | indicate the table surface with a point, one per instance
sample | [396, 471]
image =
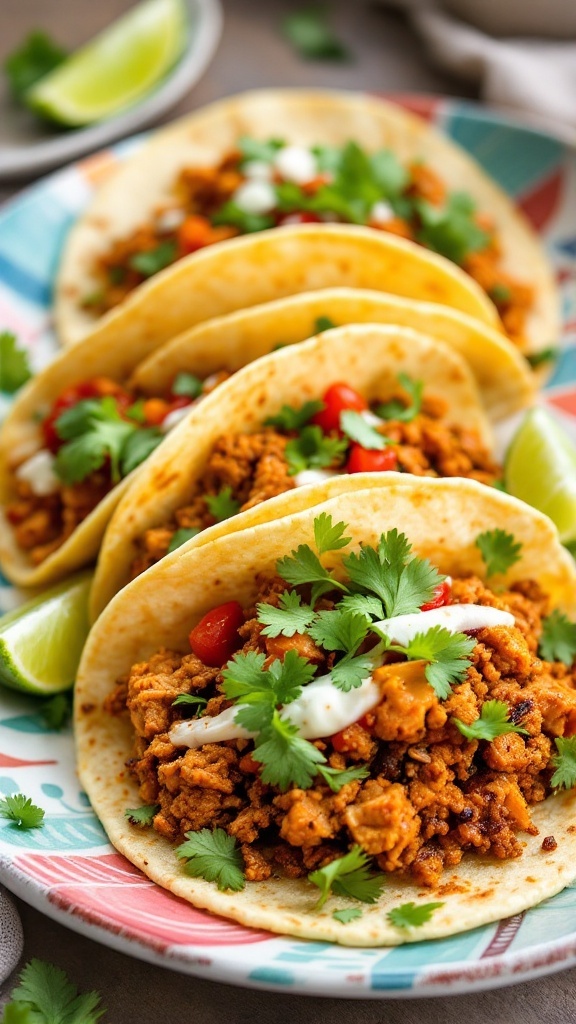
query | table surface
[252, 53]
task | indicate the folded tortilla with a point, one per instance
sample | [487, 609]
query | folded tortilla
[442, 519]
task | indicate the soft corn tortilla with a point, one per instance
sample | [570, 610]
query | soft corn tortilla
[368, 357]
[143, 184]
[442, 519]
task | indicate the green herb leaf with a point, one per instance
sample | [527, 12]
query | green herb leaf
[57, 710]
[323, 323]
[231, 213]
[190, 700]
[339, 630]
[313, 450]
[37, 55]
[500, 293]
[336, 778]
[397, 410]
[154, 260]
[50, 998]
[94, 431]
[451, 229]
[565, 763]
[329, 536]
[214, 856]
[350, 673]
[402, 582]
[357, 429]
[138, 446]
[412, 915]
[262, 151]
[287, 759]
[136, 411]
[290, 617]
[366, 605]
[305, 567]
[245, 679]
[179, 537]
[141, 815]
[222, 505]
[347, 915]
[20, 809]
[348, 876]
[447, 654]
[187, 384]
[558, 639]
[546, 355]
[310, 34]
[290, 418]
[499, 550]
[14, 366]
[493, 721]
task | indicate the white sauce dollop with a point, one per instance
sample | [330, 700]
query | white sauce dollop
[297, 164]
[175, 417]
[255, 196]
[456, 618]
[38, 472]
[381, 213]
[258, 169]
[314, 476]
[170, 220]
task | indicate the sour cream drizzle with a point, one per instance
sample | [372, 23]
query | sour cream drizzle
[322, 709]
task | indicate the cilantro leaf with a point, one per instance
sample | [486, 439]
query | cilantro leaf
[412, 915]
[403, 583]
[447, 654]
[323, 323]
[14, 366]
[141, 815]
[500, 293]
[94, 431]
[499, 550]
[37, 55]
[558, 639]
[327, 535]
[244, 674]
[336, 778]
[153, 260]
[351, 672]
[546, 355]
[214, 856]
[138, 446]
[313, 450]
[391, 176]
[245, 679]
[190, 699]
[305, 567]
[311, 36]
[357, 429]
[339, 630]
[290, 617]
[20, 809]
[222, 505]
[565, 763]
[49, 996]
[290, 418]
[262, 151]
[397, 410]
[187, 384]
[348, 876]
[493, 721]
[179, 537]
[57, 710]
[347, 915]
[287, 759]
[136, 411]
[367, 605]
[451, 229]
[231, 213]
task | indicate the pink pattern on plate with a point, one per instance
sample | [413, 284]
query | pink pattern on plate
[14, 762]
[424, 106]
[542, 202]
[564, 400]
[110, 892]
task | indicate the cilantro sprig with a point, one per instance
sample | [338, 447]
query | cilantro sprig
[558, 638]
[20, 809]
[14, 365]
[493, 721]
[260, 690]
[142, 815]
[309, 32]
[564, 762]
[313, 449]
[36, 56]
[222, 505]
[412, 915]
[447, 655]
[397, 410]
[45, 995]
[347, 914]
[152, 261]
[290, 617]
[350, 876]
[357, 429]
[291, 418]
[402, 582]
[499, 550]
[451, 229]
[180, 537]
[214, 856]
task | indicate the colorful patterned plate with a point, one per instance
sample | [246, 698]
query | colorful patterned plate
[67, 869]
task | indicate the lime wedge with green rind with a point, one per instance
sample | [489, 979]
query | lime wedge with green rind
[42, 640]
[540, 469]
[116, 69]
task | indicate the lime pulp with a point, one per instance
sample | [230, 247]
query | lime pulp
[541, 470]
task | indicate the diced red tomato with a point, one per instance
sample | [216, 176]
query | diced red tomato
[337, 399]
[440, 597]
[338, 742]
[364, 460]
[215, 638]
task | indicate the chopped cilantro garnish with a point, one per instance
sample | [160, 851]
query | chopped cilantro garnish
[402, 582]
[290, 418]
[493, 721]
[187, 384]
[37, 55]
[141, 815]
[329, 536]
[258, 149]
[451, 229]
[348, 876]
[447, 654]
[558, 638]
[290, 617]
[94, 431]
[370, 607]
[337, 778]
[304, 566]
[339, 630]
[500, 293]
[565, 763]
[347, 915]
[45, 995]
[191, 700]
[313, 449]
[245, 680]
[57, 710]
[323, 323]
[357, 429]
[136, 411]
[231, 213]
[151, 262]
[397, 410]
[14, 366]
[222, 505]
[180, 537]
[546, 355]
[117, 274]
[287, 759]
[412, 915]
[499, 551]
[309, 32]
[214, 856]
[138, 446]
[20, 809]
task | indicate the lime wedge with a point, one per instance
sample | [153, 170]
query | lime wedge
[117, 68]
[42, 640]
[541, 469]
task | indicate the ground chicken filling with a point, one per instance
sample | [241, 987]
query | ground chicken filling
[243, 194]
[57, 494]
[253, 467]
[431, 794]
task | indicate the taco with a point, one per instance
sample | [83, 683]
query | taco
[272, 158]
[61, 479]
[355, 723]
[359, 398]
